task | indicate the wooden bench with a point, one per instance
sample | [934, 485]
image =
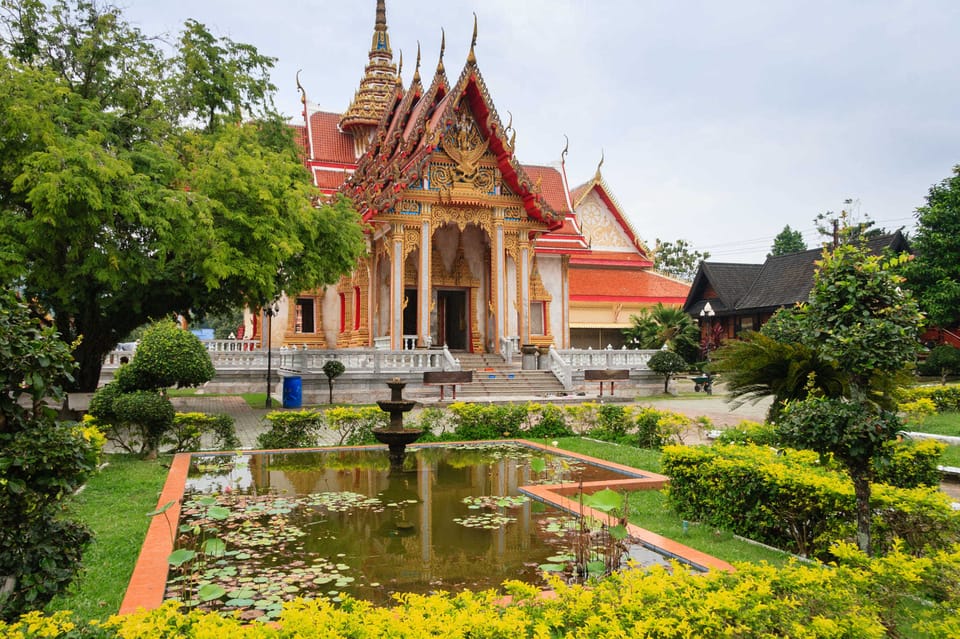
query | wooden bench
[606, 375]
[447, 378]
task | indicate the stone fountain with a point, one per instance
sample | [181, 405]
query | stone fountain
[395, 436]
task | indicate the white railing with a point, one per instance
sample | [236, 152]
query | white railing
[580, 359]
[232, 345]
[561, 369]
[450, 363]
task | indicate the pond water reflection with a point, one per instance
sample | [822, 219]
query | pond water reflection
[335, 522]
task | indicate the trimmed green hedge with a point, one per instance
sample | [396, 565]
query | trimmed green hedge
[862, 598]
[946, 398]
[786, 499]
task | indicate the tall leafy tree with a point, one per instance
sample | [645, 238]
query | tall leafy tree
[135, 185]
[934, 276]
[787, 241]
[678, 259]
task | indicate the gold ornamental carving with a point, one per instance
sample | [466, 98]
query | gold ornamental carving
[461, 216]
[411, 241]
[465, 146]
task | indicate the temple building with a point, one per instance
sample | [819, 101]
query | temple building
[467, 247]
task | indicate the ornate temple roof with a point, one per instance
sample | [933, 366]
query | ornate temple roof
[440, 119]
[379, 79]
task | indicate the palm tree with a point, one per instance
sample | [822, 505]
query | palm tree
[659, 325]
[758, 366]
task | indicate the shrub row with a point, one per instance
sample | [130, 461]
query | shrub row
[945, 398]
[860, 597]
[642, 427]
[909, 463]
[149, 414]
[786, 499]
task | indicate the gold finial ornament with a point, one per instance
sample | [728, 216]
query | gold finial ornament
[566, 149]
[597, 176]
[303, 92]
[400, 68]
[443, 46]
[472, 57]
[416, 69]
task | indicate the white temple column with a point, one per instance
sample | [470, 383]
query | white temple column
[523, 317]
[396, 289]
[424, 294]
[499, 284]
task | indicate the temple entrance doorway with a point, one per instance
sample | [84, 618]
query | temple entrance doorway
[410, 312]
[452, 318]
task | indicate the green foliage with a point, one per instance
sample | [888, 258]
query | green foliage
[786, 242]
[747, 432]
[551, 423]
[490, 421]
[355, 425]
[170, 356]
[118, 208]
[147, 413]
[189, 428]
[659, 325]
[934, 276]
[668, 364]
[333, 369]
[943, 360]
[758, 366]
[42, 461]
[678, 259]
[789, 500]
[291, 429]
[859, 597]
[945, 397]
[909, 463]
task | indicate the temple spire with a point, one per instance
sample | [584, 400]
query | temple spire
[472, 57]
[378, 81]
[443, 46]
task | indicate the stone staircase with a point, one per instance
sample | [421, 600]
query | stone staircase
[494, 379]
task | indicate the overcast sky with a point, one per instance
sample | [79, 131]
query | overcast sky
[721, 122]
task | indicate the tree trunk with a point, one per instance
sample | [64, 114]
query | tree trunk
[861, 488]
[330, 384]
[666, 384]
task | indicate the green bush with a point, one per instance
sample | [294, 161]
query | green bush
[550, 422]
[189, 428]
[170, 356]
[668, 364]
[291, 429]
[42, 461]
[146, 413]
[355, 425]
[786, 499]
[946, 397]
[911, 463]
[748, 432]
[613, 423]
[487, 421]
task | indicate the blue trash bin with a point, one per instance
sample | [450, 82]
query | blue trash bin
[292, 392]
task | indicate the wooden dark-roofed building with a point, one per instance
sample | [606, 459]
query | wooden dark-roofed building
[741, 297]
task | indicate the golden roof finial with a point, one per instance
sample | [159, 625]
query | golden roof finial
[303, 93]
[370, 101]
[443, 46]
[566, 149]
[400, 68]
[472, 57]
[416, 69]
[598, 177]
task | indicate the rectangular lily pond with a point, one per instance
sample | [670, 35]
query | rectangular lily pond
[257, 529]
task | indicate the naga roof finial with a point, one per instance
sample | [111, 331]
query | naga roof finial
[597, 177]
[472, 57]
[416, 70]
[303, 92]
[400, 68]
[566, 149]
[443, 46]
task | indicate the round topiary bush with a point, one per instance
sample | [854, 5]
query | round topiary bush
[668, 364]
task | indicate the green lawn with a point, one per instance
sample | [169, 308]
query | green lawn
[938, 424]
[114, 504]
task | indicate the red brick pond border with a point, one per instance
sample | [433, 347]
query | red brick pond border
[149, 580]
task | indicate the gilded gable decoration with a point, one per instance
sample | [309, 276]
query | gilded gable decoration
[465, 145]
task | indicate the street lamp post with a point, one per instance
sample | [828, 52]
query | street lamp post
[270, 310]
[707, 337]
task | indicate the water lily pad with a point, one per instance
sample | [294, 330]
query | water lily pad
[180, 556]
[209, 592]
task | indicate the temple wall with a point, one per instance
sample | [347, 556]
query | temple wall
[551, 274]
[330, 315]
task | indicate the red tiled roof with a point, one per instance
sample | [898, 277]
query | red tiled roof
[551, 186]
[330, 179]
[598, 284]
[329, 143]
